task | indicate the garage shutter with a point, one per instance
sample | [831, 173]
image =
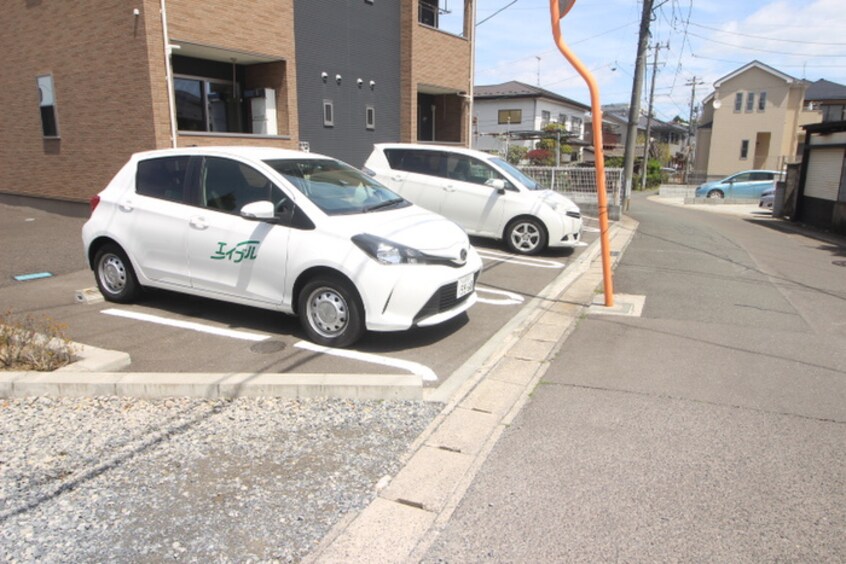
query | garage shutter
[824, 169]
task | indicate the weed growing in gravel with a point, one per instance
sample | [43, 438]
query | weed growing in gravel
[29, 343]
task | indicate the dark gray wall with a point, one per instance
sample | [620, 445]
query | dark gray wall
[355, 39]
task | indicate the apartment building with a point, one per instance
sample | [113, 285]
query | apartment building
[88, 83]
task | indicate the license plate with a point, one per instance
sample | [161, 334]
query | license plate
[465, 285]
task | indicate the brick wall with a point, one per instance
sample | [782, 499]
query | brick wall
[109, 74]
[96, 52]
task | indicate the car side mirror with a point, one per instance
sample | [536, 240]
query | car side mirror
[497, 184]
[257, 211]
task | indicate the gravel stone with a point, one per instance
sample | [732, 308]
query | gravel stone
[244, 480]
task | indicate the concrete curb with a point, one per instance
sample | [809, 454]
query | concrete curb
[410, 511]
[96, 371]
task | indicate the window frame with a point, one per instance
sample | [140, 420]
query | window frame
[205, 82]
[738, 102]
[48, 109]
[330, 120]
[370, 117]
[744, 149]
[762, 101]
[503, 115]
[750, 101]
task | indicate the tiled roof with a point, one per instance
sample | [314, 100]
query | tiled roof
[516, 89]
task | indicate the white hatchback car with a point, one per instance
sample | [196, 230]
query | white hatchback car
[483, 193]
[282, 230]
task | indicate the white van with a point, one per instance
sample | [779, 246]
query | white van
[483, 193]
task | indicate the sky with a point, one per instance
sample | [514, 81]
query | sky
[706, 39]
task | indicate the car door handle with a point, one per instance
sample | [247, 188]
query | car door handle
[397, 178]
[449, 188]
[126, 206]
[198, 223]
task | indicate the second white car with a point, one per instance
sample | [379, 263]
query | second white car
[483, 193]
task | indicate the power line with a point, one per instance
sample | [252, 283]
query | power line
[821, 43]
[735, 46]
[497, 12]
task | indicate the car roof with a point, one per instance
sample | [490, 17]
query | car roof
[255, 153]
[435, 147]
[755, 170]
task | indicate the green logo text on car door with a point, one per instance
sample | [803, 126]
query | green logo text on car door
[245, 250]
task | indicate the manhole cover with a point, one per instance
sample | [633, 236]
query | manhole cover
[839, 262]
[267, 347]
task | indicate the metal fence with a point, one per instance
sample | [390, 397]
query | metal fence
[578, 183]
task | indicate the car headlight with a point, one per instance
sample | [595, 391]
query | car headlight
[388, 252]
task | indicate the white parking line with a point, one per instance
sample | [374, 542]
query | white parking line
[424, 372]
[510, 297]
[516, 259]
[231, 333]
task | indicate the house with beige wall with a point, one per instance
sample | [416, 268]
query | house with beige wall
[752, 120]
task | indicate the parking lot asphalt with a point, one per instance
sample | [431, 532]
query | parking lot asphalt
[168, 333]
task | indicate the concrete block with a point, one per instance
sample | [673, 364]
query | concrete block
[352, 386]
[155, 386]
[465, 431]
[515, 371]
[93, 359]
[493, 396]
[67, 384]
[531, 349]
[429, 478]
[384, 532]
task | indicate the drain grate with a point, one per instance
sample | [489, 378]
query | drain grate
[267, 347]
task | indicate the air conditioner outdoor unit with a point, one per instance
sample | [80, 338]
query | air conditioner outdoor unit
[263, 108]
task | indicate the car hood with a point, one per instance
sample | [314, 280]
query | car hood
[411, 226]
[556, 200]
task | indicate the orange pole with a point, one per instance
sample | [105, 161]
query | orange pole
[596, 110]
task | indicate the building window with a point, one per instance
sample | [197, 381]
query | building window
[750, 101]
[509, 117]
[738, 101]
[577, 126]
[47, 103]
[370, 117]
[762, 101]
[328, 113]
[207, 105]
[744, 149]
[428, 12]
[545, 117]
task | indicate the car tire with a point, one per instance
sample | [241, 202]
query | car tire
[115, 276]
[525, 236]
[715, 195]
[330, 311]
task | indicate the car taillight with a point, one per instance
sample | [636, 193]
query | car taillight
[93, 202]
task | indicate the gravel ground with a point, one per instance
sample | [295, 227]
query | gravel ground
[121, 479]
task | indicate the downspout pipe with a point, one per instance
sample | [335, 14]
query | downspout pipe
[169, 76]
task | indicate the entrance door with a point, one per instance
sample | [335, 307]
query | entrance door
[425, 117]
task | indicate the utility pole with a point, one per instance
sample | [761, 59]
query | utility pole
[634, 105]
[693, 83]
[643, 169]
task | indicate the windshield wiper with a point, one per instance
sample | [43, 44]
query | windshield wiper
[381, 205]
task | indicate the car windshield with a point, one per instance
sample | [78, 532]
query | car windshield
[526, 181]
[336, 188]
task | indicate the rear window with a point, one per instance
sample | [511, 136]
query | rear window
[432, 163]
[162, 178]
